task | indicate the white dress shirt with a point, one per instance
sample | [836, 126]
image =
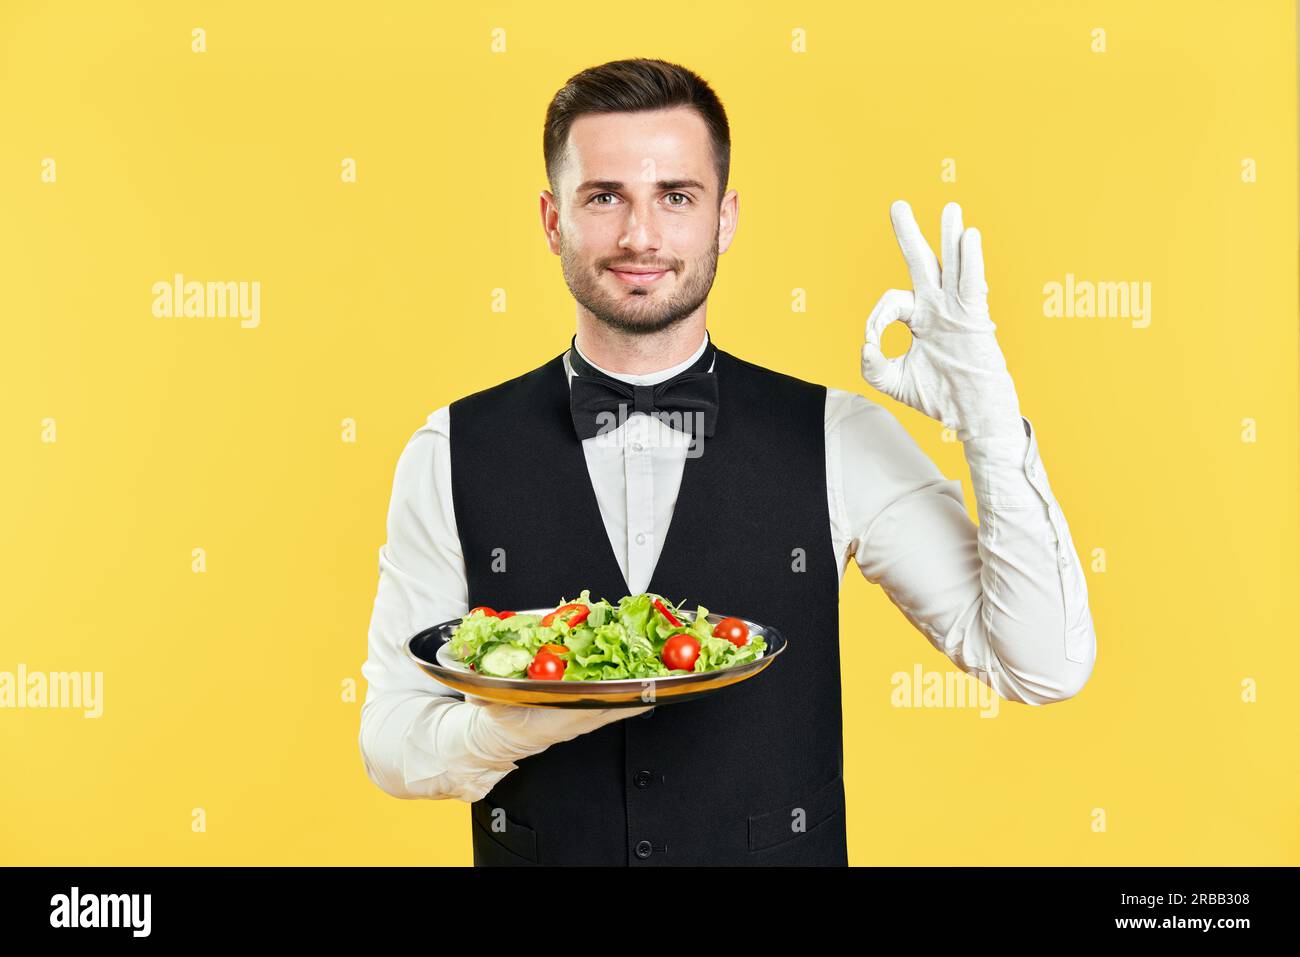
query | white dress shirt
[1004, 600]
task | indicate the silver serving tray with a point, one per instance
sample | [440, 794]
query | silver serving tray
[431, 650]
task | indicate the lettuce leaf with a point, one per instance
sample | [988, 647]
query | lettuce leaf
[623, 641]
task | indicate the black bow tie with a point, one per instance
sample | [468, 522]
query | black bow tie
[600, 403]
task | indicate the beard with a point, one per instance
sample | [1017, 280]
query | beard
[638, 309]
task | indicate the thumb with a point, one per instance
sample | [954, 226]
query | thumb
[876, 368]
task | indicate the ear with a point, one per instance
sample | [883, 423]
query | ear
[728, 217]
[550, 212]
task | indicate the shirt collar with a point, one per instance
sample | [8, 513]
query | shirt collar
[648, 378]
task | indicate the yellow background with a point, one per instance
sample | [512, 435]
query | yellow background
[222, 690]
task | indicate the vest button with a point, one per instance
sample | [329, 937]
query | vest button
[643, 849]
[643, 779]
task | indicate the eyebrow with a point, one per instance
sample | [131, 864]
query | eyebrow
[614, 185]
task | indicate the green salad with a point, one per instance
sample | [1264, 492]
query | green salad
[643, 636]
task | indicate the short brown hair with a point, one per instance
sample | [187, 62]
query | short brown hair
[630, 86]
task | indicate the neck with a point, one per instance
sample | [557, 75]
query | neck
[637, 354]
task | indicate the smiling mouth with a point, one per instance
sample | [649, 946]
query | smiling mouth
[639, 277]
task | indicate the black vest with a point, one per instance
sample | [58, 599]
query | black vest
[752, 774]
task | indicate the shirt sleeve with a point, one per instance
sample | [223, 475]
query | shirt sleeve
[415, 736]
[1005, 599]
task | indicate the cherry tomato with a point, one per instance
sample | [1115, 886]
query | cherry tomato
[503, 615]
[580, 613]
[546, 667]
[490, 612]
[680, 651]
[734, 630]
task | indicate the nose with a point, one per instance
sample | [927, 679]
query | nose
[640, 235]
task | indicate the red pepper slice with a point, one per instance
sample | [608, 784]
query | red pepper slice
[580, 611]
[667, 614]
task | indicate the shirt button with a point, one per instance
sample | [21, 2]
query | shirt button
[643, 779]
[637, 446]
[640, 538]
[643, 849]
[1064, 559]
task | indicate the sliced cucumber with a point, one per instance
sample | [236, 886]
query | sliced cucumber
[505, 661]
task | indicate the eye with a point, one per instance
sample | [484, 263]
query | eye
[597, 196]
[683, 196]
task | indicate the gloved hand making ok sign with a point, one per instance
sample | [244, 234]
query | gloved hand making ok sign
[954, 370]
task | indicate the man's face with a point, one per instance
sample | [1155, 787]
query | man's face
[639, 194]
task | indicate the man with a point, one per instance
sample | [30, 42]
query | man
[645, 458]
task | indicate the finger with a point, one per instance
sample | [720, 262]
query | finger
[971, 287]
[949, 248]
[879, 371]
[894, 305]
[916, 251]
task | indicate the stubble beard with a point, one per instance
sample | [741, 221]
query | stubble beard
[633, 309]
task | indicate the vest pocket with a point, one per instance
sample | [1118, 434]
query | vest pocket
[517, 840]
[776, 826]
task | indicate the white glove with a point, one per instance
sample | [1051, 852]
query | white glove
[504, 733]
[954, 370]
